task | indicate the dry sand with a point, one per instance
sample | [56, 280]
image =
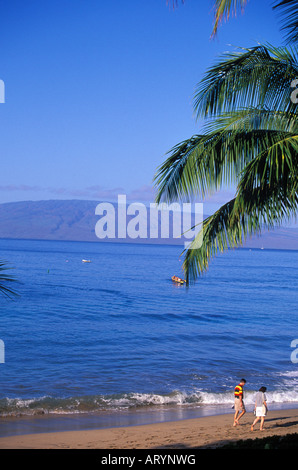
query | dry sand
[203, 432]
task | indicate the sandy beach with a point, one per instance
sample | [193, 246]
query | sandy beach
[205, 432]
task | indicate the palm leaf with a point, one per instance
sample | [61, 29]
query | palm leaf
[288, 10]
[289, 13]
[229, 227]
[267, 195]
[224, 9]
[174, 3]
[201, 165]
[260, 76]
[258, 149]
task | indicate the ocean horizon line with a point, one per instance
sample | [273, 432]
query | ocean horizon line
[115, 242]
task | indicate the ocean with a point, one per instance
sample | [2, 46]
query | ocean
[114, 341]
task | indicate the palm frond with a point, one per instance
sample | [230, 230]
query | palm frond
[174, 3]
[275, 166]
[179, 176]
[229, 227]
[267, 195]
[289, 13]
[224, 9]
[201, 165]
[257, 77]
[288, 10]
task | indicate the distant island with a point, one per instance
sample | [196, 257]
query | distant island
[75, 220]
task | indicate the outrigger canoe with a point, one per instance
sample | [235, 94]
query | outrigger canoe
[178, 279]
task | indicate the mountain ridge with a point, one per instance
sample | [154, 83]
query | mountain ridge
[75, 220]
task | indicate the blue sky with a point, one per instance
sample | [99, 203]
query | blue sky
[97, 91]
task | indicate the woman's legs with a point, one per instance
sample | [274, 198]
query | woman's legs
[255, 422]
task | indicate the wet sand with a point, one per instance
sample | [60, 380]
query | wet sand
[205, 432]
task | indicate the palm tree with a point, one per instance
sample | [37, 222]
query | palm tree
[250, 139]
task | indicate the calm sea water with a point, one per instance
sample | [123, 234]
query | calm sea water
[116, 334]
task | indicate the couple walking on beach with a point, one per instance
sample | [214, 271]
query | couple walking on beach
[260, 409]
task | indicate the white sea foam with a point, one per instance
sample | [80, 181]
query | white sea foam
[278, 396]
[45, 405]
[290, 373]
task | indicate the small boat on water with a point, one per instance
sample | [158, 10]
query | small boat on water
[86, 261]
[178, 280]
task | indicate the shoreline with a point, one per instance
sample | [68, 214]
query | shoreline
[82, 421]
[201, 432]
[42, 422]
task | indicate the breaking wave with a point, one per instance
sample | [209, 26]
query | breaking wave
[118, 402]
